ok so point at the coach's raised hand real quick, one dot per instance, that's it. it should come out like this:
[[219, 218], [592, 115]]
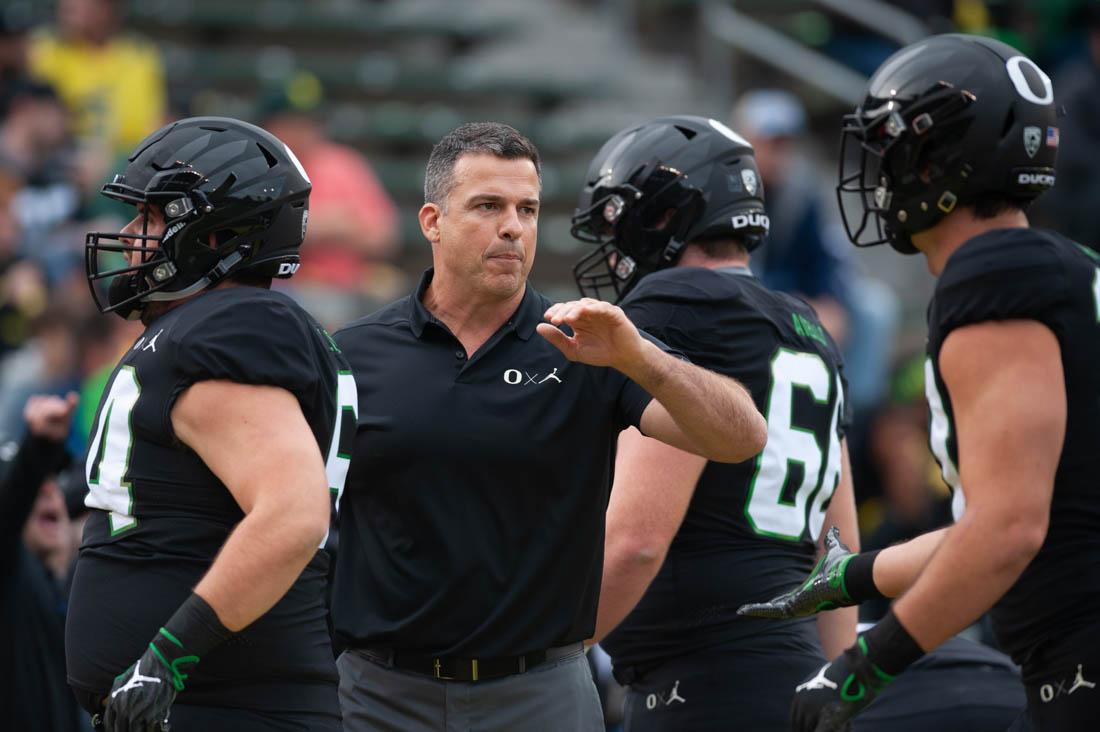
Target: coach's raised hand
[[693, 409], [602, 334]]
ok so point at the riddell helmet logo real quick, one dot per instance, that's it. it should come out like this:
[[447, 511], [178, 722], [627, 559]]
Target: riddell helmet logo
[[172, 231]]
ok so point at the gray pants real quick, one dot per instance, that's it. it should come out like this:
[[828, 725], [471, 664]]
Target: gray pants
[[557, 696]]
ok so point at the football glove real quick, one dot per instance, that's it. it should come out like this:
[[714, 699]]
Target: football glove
[[142, 695], [824, 589], [827, 701]]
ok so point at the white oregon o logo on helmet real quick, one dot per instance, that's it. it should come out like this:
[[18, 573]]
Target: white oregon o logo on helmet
[[1020, 82]]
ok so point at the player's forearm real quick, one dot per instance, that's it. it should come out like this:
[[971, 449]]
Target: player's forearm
[[897, 568], [837, 630], [714, 412], [628, 570], [260, 561], [977, 562]]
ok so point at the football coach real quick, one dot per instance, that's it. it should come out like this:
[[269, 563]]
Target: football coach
[[472, 529]]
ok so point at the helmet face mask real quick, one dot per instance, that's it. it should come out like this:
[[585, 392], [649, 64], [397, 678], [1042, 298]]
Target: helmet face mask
[[653, 188], [233, 197], [946, 121]]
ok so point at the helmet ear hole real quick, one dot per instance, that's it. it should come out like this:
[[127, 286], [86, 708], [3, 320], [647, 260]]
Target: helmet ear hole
[[1010, 120]]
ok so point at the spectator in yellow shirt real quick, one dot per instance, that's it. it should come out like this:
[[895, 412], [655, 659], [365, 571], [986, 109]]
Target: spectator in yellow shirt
[[112, 83]]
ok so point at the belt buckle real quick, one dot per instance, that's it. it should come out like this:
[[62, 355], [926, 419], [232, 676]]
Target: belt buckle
[[437, 665]]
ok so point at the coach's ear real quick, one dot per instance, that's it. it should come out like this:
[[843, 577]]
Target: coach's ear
[[429, 221]]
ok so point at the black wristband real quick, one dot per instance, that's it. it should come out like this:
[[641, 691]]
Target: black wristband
[[195, 626], [889, 646], [859, 580]]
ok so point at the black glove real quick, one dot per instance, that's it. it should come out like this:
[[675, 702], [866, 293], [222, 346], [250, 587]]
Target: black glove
[[142, 696], [824, 589], [827, 701]]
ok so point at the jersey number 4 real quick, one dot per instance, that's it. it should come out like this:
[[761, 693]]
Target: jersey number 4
[[768, 511], [107, 468], [108, 462]]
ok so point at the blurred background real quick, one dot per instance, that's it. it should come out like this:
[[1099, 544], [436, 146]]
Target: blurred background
[[362, 89]]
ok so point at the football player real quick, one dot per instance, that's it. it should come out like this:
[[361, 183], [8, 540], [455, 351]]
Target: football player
[[216, 444], [675, 207], [957, 135]]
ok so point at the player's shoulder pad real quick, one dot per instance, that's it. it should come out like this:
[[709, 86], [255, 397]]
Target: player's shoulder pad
[[248, 335], [677, 283], [804, 320], [1000, 275]]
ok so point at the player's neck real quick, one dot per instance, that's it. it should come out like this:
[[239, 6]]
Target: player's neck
[[694, 256], [940, 242]]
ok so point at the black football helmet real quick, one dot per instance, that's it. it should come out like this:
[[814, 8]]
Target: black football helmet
[[655, 187], [946, 120], [233, 197]]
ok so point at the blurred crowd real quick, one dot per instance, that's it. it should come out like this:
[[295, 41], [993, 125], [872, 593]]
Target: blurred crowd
[[77, 94], [78, 91]]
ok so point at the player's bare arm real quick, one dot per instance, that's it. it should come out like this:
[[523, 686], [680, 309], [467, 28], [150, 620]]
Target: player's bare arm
[[276, 475], [692, 408], [654, 483], [837, 629], [856, 578], [1010, 441], [278, 479]]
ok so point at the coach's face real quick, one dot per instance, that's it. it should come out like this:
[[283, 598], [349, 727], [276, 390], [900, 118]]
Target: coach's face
[[483, 239]]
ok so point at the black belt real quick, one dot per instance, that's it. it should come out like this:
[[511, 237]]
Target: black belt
[[467, 669]]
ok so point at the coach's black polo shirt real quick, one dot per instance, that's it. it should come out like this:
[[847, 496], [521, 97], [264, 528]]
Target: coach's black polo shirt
[[472, 524]]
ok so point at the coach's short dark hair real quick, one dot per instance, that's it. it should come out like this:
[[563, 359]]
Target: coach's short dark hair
[[490, 138]]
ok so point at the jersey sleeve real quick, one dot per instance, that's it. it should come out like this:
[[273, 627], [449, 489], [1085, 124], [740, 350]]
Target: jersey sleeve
[[259, 341], [700, 328], [1004, 275]]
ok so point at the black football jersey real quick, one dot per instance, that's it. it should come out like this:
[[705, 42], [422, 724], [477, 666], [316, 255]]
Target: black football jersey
[[159, 515], [751, 527], [1032, 274], [473, 522]]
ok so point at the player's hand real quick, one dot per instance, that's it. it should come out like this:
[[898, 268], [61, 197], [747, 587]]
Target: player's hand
[[48, 416], [838, 691], [602, 334], [142, 695], [823, 589]]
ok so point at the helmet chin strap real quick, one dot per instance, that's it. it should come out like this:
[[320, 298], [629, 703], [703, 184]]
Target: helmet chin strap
[[123, 289], [672, 251], [216, 275], [901, 242]]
